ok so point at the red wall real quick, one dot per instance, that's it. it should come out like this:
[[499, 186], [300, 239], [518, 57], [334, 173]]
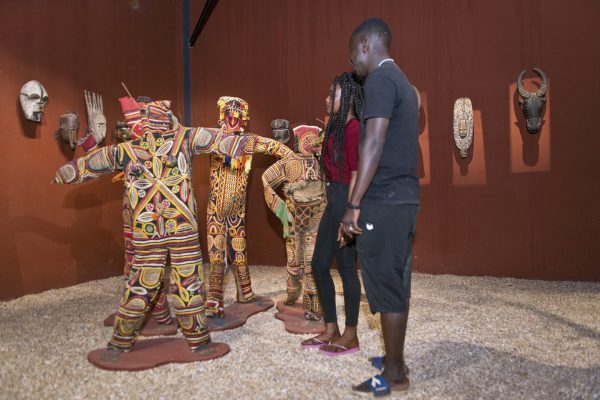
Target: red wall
[[523, 206], [520, 205], [55, 236]]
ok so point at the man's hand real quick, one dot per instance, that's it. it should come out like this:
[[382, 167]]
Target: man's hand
[[349, 227]]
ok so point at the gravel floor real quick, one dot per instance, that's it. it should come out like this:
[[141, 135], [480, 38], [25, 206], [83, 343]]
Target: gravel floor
[[468, 338]]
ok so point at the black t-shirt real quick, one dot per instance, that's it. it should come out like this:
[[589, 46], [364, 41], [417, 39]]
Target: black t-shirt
[[389, 94]]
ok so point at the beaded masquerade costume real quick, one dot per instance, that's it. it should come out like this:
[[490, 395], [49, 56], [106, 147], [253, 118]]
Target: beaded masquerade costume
[[133, 117], [226, 209], [305, 201], [158, 181]]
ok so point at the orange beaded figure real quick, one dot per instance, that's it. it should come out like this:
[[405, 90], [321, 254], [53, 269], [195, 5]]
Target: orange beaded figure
[[226, 209]]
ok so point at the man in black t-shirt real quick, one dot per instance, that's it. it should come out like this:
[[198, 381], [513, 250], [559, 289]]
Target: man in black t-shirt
[[383, 206]]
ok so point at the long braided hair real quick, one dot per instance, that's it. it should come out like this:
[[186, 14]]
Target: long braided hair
[[351, 96]]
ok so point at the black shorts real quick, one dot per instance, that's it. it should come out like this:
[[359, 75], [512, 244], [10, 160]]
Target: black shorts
[[385, 254]]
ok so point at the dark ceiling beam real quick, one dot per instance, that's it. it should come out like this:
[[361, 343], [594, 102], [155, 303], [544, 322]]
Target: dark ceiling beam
[[209, 6]]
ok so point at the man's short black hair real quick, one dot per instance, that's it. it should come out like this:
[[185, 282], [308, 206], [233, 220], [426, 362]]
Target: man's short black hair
[[377, 27]]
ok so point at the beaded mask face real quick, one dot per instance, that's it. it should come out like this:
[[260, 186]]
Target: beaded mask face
[[233, 114], [308, 139], [156, 116]]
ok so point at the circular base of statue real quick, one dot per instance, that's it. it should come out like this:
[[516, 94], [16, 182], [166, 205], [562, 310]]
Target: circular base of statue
[[294, 320], [236, 314], [150, 327], [151, 353]]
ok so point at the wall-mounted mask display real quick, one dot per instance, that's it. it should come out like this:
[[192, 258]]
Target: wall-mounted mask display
[[67, 131], [281, 130], [96, 122], [463, 125], [533, 104], [96, 118], [33, 99]]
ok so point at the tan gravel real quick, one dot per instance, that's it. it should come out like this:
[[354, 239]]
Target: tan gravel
[[468, 338]]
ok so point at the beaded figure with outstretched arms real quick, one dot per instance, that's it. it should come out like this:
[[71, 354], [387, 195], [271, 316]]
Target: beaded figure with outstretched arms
[[226, 209], [158, 180]]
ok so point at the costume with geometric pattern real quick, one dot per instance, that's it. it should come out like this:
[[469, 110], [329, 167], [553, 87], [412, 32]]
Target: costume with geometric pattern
[[226, 209], [158, 181], [135, 122], [305, 201]]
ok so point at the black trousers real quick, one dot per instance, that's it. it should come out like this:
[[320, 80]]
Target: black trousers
[[326, 248]]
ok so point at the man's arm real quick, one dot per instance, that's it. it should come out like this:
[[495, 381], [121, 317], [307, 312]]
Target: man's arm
[[91, 166], [351, 185], [370, 156]]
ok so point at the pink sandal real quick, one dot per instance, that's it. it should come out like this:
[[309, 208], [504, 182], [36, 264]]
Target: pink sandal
[[345, 350], [313, 343]]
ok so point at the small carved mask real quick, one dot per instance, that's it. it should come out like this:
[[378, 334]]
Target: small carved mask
[[533, 103], [33, 100], [281, 130], [96, 118], [308, 139], [69, 125], [463, 125]]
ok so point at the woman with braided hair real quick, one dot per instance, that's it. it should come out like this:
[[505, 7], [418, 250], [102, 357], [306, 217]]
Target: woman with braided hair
[[340, 162]]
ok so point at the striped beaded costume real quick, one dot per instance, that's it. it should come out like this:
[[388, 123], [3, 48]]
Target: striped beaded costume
[[226, 209], [135, 123], [158, 182]]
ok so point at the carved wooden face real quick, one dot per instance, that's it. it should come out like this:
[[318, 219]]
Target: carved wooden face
[[533, 110], [33, 99], [98, 127], [67, 132]]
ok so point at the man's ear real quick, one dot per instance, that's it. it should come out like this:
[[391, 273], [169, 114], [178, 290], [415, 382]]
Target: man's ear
[[364, 44]]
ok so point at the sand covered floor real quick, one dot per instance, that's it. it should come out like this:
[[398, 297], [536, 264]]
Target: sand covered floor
[[468, 338]]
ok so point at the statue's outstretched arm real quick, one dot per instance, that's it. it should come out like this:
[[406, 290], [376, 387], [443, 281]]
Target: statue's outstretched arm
[[271, 147], [215, 141], [91, 166]]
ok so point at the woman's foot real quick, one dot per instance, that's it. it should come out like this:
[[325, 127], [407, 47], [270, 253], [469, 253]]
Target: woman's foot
[[347, 343], [331, 333]]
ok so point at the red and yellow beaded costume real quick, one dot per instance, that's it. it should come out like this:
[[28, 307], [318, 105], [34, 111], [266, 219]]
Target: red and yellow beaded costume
[[305, 201], [226, 209], [158, 181]]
